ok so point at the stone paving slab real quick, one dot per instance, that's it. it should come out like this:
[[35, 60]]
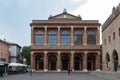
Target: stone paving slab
[[60, 76], [108, 75]]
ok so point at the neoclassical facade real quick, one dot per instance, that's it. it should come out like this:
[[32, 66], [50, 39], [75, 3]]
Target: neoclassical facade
[[65, 41], [111, 41]]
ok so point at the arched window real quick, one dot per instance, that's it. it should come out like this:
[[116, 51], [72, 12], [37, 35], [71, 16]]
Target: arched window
[[91, 37], [65, 38], [78, 38], [52, 38], [39, 38]]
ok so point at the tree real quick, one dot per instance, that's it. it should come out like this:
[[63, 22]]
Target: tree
[[26, 53]]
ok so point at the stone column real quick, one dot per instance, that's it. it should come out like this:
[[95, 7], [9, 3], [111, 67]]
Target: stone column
[[58, 37], [98, 36], [32, 60], [45, 61], [45, 36], [98, 62], [58, 61], [85, 61], [72, 36], [72, 60], [85, 36]]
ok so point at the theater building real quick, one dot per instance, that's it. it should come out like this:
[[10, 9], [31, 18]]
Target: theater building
[[111, 41], [65, 41]]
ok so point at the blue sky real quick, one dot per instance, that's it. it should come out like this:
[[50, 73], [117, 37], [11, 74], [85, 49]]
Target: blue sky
[[16, 15]]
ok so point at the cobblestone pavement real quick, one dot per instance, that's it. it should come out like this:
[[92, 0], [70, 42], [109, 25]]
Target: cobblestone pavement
[[63, 76], [108, 75]]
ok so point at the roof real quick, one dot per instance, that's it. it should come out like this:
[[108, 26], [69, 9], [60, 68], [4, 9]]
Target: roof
[[65, 15], [65, 18], [3, 42], [11, 43], [112, 17]]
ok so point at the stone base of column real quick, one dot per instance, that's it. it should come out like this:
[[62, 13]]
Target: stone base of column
[[73, 70], [85, 70], [33, 70], [98, 70], [58, 70], [45, 70], [58, 43]]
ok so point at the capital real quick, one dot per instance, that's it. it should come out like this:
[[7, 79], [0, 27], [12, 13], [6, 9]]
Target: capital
[[32, 28], [85, 52], [58, 52], [32, 52], [98, 52], [59, 27], [85, 28], [45, 52], [98, 28], [72, 52], [45, 27], [72, 27]]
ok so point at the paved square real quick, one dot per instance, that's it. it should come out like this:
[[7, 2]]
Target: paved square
[[63, 76]]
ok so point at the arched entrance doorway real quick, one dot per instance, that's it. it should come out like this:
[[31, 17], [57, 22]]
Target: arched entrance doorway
[[78, 62], [115, 60], [65, 62], [39, 62], [108, 61], [91, 62], [52, 62]]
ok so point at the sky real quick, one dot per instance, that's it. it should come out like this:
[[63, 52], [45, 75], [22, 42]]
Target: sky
[[16, 15]]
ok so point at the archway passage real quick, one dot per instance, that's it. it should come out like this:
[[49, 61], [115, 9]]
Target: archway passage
[[52, 62], [115, 60], [91, 62], [39, 62], [108, 61], [65, 62], [78, 62]]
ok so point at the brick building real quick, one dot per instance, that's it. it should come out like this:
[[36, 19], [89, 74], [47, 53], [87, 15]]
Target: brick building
[[111, 40], [4, 51], [65, 41], [15, 53]]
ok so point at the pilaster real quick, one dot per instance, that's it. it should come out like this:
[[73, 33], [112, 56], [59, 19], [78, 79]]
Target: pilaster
[[32, 60], [72, 35], [45, 36], [98, 61], [85, 36], [85, 62], [72, 60], [58, 61], [45, 61], [98, 36], [58, 38]]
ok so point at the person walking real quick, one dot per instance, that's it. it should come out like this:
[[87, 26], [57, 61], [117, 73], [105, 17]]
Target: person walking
[[31, 71], [69, 71]]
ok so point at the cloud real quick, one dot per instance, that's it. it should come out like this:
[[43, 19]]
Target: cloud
[[80, 1]]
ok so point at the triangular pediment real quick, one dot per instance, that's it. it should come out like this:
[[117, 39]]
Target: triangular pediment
[[64, 15]]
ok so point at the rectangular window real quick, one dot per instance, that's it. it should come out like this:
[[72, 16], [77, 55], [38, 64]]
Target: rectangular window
[[109, 39], [119, 31], [105, 41], [113, 35]]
